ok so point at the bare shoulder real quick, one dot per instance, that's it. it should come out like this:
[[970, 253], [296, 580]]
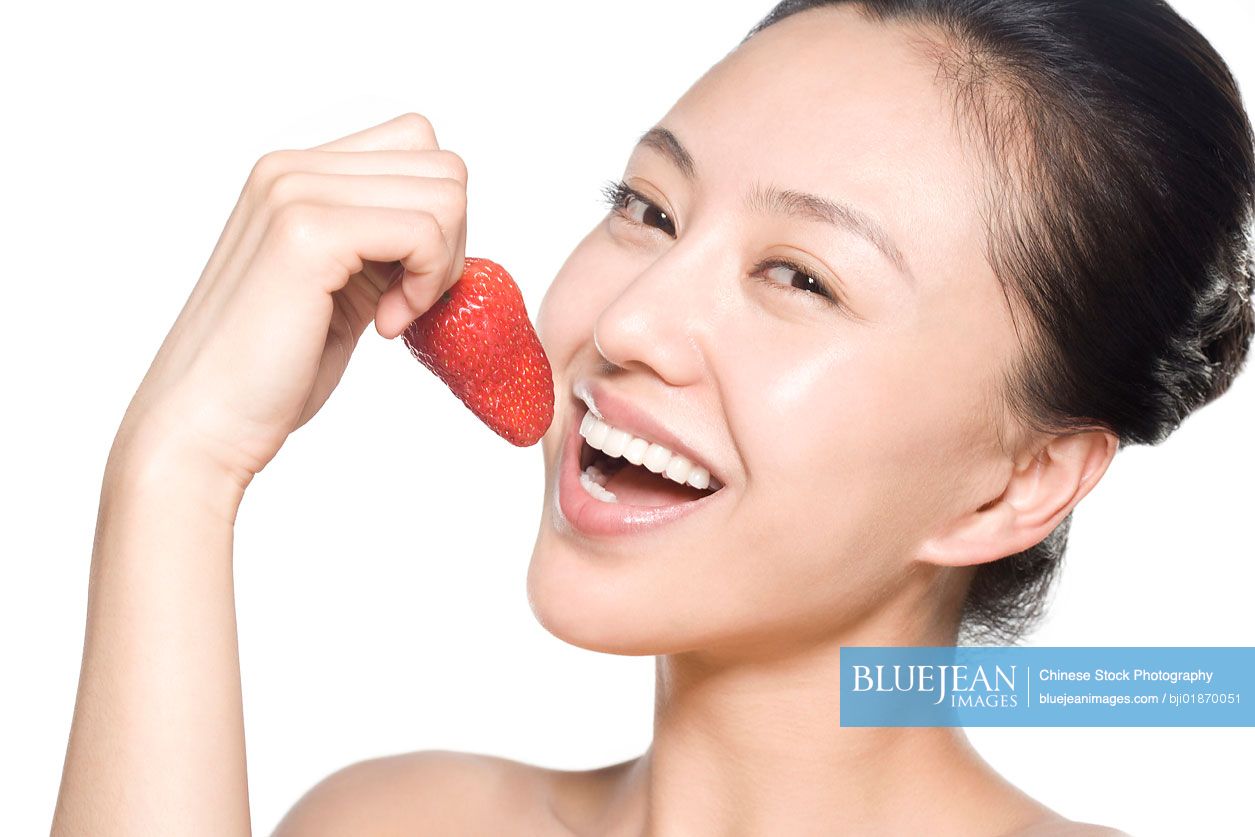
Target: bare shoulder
[[1068, 828], [1089, 829], [426, 792]]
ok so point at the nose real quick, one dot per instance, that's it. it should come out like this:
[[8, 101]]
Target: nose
[[663, 319]]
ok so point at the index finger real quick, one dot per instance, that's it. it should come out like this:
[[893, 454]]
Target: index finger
[[408, 132]]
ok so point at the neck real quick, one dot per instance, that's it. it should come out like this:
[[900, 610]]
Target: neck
[[752, 745]]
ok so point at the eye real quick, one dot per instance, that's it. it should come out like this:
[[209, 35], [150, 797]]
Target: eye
[[786, 275], [636, 208]]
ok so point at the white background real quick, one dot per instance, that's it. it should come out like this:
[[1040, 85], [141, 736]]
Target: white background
[[380, 559]]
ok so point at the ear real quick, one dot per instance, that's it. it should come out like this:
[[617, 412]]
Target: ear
[[1042, 488]]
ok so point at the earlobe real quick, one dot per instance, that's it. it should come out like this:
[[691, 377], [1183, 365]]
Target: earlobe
[[1039, 493]]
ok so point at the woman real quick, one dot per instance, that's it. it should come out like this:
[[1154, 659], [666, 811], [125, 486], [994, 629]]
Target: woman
[[902, 277]]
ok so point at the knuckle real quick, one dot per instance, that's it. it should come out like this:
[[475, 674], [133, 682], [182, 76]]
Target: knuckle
[[419, 127], [267, 168], [427, 228], [296, 221], [453, 163], [459, 201], [453, 197], [283, 188]]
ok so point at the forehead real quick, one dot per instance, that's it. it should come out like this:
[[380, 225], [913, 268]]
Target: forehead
[[847, 108]]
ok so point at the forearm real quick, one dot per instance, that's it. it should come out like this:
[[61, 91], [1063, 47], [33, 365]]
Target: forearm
[[157, 740]]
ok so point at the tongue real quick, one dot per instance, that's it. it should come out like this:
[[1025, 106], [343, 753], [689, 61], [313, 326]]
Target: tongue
[[637, 485]]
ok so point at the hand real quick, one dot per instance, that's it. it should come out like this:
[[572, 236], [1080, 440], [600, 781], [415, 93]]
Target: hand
[[321, 241]]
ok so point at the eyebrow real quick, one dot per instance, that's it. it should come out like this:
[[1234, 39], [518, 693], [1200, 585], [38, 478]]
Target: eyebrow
[[771, 199], [660, 139]]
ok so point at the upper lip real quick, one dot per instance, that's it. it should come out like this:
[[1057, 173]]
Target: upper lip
[[623, 414]]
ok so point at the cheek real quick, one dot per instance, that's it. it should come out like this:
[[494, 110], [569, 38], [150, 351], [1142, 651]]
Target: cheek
[[858, 449], [822, 446]]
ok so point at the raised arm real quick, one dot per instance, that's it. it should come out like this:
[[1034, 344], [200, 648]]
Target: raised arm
[[321, 241]]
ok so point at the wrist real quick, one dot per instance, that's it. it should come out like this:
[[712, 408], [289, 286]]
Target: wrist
[[159, 463]]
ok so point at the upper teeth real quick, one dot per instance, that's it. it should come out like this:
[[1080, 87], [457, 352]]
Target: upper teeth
[[612, 441]]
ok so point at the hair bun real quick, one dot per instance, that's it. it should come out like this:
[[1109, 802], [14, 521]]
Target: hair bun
[[1226, 314]]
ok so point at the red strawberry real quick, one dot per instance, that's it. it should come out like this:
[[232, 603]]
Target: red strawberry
[[477, 338]]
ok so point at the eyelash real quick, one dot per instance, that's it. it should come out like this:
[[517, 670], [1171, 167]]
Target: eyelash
[[617, 194]]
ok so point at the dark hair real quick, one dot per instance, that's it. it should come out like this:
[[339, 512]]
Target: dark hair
[[1118, 208]]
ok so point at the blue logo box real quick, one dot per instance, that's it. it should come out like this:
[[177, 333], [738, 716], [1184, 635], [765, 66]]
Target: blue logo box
[[991, 686]]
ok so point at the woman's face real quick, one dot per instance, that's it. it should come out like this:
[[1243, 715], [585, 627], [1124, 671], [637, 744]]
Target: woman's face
[[845, 432]]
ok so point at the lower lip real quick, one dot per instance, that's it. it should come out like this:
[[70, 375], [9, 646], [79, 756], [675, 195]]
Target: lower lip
[[591, 516]]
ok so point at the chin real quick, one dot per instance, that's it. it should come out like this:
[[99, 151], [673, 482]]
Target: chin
[[597, 603], [590, 609]]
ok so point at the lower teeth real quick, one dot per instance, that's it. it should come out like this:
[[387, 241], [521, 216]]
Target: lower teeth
[[590, 478]]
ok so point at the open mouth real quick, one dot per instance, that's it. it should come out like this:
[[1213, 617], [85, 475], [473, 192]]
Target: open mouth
[[615, 479]]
